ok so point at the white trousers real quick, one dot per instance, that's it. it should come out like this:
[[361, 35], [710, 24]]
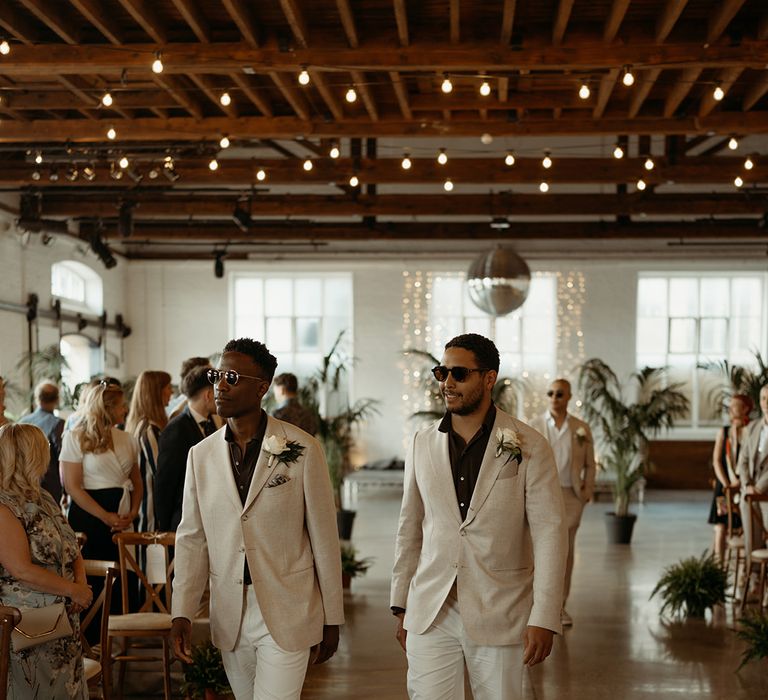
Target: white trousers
[[574, 507], [257, 668], [436, 663]]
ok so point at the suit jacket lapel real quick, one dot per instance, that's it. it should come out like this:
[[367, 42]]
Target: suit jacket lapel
[[262, 471], [441, 465], [489, 471]]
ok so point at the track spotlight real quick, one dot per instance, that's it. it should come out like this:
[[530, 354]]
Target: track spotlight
[[72, 174], [125, 219], [103, 251], [53, 176], [242, 218], [114, 172], [89, 172], [218, 266], [169, 170], [135, 175]]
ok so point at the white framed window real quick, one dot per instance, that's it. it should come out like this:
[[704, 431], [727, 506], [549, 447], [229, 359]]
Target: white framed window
[[525, 338], [298, 317], [77, 286], [685, 320]]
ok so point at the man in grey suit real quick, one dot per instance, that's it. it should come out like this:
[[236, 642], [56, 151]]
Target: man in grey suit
[[753, 471], [481, 542]]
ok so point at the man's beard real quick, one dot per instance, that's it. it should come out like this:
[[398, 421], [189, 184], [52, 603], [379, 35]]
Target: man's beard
[[470, 404]]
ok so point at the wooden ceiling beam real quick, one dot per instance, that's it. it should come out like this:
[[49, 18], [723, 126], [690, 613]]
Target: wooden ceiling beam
[[193, 16], [97, 15], [696, 141], [241, 14], [147, 18], [524, 100], [705, 204], [294, 98], [507, 21], [179, 93], [755, 93], [721, 18], [318, 80], [18, 25], [718, 147], [180, 128], [348, 22], [213, 93], [607, 84], [225, 58], [361, 83], [615, 18], [295, 19], [252, 93], [63, 100], [680, 89], [56, 19], [668, 18], [562, 16], [401, 19], [725, 79], [454, 11], [642, 89], [401, 93]]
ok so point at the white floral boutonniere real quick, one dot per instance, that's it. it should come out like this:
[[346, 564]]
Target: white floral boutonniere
[[581, 435], [508, 442], [281, 450]]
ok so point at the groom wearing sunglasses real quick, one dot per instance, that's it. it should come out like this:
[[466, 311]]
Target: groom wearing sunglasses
[[481, 542], [259, 523]]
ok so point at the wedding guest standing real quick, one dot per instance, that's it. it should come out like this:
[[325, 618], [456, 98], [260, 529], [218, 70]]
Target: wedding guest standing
[[40, 565], [481, 543], [289, 408], [753, 472], [146, 420]]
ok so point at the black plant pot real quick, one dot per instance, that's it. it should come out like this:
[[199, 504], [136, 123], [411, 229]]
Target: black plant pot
[[344, 520], [619, 527]]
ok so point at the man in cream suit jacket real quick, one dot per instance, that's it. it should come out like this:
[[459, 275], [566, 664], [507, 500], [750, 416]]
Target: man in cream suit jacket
[[259, 523], [753, 471], [571, 441], [481, 542]]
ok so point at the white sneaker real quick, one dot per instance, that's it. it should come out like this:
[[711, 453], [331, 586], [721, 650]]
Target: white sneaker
[[565, 619]]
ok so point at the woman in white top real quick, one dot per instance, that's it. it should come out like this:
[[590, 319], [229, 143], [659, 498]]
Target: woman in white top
[[146, 419], [101, 472]]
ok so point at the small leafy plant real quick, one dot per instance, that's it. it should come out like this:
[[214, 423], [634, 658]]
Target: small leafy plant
[[754, 631], [351, 565], [691, 586], [206, 672]]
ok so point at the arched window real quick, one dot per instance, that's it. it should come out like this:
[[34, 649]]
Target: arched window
[[77, 286]]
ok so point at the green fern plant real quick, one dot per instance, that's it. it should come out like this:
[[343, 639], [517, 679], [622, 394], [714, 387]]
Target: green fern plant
[[736, 379], [753, 630], [206, 672], [692, 586], [350, 564]]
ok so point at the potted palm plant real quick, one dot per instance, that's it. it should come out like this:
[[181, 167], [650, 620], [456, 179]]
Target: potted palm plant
[[624, 428], [351, 565]]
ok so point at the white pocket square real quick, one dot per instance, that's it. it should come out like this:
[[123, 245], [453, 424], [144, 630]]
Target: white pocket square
[[278, 480]]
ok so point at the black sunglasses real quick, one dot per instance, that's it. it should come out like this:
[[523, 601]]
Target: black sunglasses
[[230, 376], [460, 374], [556, 394]]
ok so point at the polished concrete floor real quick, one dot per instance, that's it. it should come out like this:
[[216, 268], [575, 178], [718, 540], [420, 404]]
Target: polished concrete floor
[[618, 648]]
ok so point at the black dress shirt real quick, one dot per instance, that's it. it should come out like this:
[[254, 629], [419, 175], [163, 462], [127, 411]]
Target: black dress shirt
[[244, 465], [466, 458]]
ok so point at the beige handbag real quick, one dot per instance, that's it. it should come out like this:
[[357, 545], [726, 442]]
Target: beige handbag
[[40, 625]]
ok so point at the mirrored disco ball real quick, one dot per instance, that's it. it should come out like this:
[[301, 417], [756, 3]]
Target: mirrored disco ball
[[498, 281]]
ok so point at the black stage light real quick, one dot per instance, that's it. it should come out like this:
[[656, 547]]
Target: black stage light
[[103, 251], [125, 219], [242, 218], [218, 266]]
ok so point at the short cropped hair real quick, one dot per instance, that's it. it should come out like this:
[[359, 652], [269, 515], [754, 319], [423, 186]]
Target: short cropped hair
[[194, 381], [46, 392], [288, 381], [190, 363], [484, 350], [257, 352]]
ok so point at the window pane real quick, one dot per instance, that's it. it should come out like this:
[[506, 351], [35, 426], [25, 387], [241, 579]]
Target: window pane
[[683, 296], [714, 296], [713, 336], [681, 372], [746, 297], [508, 333], [745, 334], [537, 337], [305, 364], [338, 296], [651, 297], [333, 326], [279, 297], [249, 327], [682, 335], [541, 297], [279, 335], [307, 334], [446, 296], [249, 296], [309, 297], [709, 409], [478, 325], [652, 335]]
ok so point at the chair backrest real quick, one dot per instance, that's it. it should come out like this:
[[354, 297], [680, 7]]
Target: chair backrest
[[132, 548], [109, 570], [731, 508], [8, 618], [760, 528]]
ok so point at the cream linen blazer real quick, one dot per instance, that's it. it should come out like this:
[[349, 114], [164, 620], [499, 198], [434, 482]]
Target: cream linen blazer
[[750, 472], [508, 556], [582, 455], [287, 532]]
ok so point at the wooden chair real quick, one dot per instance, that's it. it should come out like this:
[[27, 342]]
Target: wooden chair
[[756, 559], [734, 537], [9, 617], [98, 614], [153, 619]]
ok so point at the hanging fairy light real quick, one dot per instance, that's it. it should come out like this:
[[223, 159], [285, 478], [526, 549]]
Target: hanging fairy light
[[106, 99], [584, 91], [447, 85], [628, 78], [718, 93], [448, 185], [649, 164], [485, 88], [5, 47], [546, 162], [733, 143], [304, 77], [157, 64], [224, 141], [543, 187], [308, 164], [124, 162], [618, 152], [748, 164], [640, 184], [38, 157], [509, 159], [261, 175], [351, 95], [111, 133], [354, 181], [406, 163], [335, 152], [442, 157], [225, 99], [213, 164], [738, 181]]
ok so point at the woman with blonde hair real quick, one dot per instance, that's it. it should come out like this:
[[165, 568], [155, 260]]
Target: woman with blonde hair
[[101, 472], [146, 419], [40, 565]]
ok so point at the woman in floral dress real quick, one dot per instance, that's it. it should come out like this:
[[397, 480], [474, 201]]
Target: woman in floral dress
[[40, 564]]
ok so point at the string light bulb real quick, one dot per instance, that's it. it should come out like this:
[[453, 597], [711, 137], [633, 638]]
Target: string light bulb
[[509, 159], [123, 163], [640, 184], [351, 95], [718, 93], [738, 181], [225, 99], [354, 181], [546, 162], [618, 152], [733, 143], [213, 164], [447, 85], [106, 99], [5, 47], [748, 164], [584, 91], [224, 141], [38, 157], [406, 163], [304, 77], [442, 157], [649, 164], [111, 133], [485, 88], [544, 187], [308, 164], [628, 78], [335, 152], [261, 175], [157, 64], [448, 185]]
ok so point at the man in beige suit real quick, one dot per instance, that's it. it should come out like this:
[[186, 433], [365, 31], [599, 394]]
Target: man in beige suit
[[571, 441], [258, 522], [753, 471], [481, 542]]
